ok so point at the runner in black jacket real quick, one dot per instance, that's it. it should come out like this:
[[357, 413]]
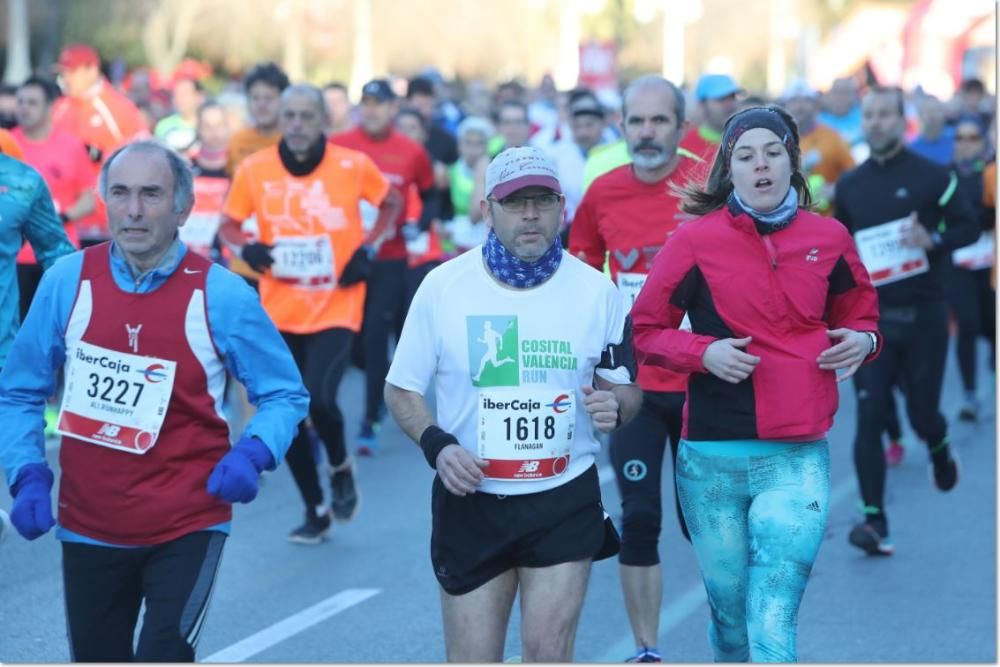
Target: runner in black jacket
[[896, 183]]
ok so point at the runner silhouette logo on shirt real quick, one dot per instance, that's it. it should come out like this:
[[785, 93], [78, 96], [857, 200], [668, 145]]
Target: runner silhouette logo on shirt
[[493, 349]]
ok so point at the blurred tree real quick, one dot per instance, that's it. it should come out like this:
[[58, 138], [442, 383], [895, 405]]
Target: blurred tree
[[18, 39], [166, 35]]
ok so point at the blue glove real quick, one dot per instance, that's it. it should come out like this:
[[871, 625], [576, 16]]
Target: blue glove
[[234, 478], [32, 511]]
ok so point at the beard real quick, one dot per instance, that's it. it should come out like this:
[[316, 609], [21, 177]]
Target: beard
[[647, 161]]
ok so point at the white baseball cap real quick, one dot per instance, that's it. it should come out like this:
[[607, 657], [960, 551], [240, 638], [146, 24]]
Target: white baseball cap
[[517, 168]]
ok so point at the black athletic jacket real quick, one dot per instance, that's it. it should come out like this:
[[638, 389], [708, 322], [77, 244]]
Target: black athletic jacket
[[874, 193]]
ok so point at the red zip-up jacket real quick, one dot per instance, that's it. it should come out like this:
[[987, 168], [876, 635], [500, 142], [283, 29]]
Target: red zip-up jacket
[[786, 290]]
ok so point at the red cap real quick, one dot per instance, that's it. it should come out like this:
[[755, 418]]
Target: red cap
[[78, 55]]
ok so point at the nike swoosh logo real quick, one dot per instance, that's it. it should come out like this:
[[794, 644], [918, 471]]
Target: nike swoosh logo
[[189, 271]]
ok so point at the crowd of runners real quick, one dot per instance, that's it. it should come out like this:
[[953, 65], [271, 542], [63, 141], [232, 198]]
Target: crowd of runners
[[187, 275]]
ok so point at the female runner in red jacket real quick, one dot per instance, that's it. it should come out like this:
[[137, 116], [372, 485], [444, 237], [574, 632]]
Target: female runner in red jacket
[[779, 302]]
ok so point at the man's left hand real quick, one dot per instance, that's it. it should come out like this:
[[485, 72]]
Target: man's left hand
[[916, 235], [602, 406], [234, 478], [853, 348]]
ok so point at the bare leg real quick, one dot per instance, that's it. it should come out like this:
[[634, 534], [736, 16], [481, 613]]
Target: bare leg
[[475, 624], [643, 590], [551, 600]]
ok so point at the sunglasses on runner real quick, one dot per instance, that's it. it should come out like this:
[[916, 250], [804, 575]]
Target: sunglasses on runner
[[545, 202]]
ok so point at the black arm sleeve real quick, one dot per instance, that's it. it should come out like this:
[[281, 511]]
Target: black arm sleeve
[[621, 354], [431, 198]]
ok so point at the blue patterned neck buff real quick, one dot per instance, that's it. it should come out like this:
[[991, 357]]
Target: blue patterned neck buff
[[510, 270], [771, 221]]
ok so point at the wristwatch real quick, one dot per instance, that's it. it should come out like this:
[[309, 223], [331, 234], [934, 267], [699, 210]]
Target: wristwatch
[[874, 340]]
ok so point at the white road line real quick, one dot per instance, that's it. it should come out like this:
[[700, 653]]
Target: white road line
[[293, 625], [694, 597]]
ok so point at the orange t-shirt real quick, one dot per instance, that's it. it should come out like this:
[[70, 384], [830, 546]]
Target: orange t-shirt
[[242, 145], [824, 157], [314, 222], [832, 156], [245, 143], [990, 185], [9, 145]]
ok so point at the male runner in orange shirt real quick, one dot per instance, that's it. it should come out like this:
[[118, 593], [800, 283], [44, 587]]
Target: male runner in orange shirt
[[313, 255]]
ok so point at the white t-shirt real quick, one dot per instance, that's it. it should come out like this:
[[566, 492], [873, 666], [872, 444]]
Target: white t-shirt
[[510, 365]]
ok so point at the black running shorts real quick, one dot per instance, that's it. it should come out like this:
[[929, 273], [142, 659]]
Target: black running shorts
[[481, 535]]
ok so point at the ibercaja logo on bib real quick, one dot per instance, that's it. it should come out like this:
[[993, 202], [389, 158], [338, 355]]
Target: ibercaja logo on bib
[[493, 350]]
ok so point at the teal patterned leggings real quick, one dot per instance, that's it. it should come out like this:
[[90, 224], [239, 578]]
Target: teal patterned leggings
[[756, 511]]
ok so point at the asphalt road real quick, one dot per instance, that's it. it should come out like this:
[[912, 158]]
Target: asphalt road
[[368, 594]]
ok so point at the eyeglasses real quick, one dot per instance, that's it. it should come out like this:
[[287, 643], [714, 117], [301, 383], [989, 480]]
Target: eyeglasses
[[968, 137], [545, 202]]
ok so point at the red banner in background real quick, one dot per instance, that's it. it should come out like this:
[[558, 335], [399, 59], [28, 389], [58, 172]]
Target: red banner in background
[[599, 66]]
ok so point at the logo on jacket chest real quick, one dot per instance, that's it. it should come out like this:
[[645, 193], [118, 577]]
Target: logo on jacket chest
[[133, 336]]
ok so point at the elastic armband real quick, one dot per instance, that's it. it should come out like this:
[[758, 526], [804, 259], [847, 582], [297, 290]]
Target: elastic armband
[[617, 355], [433, 440]]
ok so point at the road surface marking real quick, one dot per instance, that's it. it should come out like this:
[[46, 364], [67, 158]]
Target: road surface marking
[[694, 597], [293, 625]]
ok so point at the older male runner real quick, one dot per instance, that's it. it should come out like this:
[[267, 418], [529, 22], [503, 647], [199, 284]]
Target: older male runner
[[145, 333], [516, 500]]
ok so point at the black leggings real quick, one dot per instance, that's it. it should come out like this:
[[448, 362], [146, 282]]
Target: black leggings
[[973, 302], [105, 586], [915, 344], [637, 454], [390, 289], [322, 359]]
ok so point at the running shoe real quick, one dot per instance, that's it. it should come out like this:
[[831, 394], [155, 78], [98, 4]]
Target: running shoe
[[646, 654], [944, 470], [969, 412], [870, 539], [894, 453], [314, 530], [345, 492], [368, 438]]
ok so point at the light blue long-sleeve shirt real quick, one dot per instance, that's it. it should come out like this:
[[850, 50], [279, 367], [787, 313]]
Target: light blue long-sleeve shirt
[[26, 212], [250, 345]]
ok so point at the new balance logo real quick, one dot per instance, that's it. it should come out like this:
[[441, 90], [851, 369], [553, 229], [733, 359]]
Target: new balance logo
[[814, 506], [110, 430], [529, 467]]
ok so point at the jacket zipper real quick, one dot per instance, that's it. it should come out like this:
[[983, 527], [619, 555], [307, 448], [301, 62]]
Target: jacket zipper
[[772, 251]]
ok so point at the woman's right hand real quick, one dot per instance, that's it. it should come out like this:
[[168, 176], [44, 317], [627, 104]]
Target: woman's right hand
[[726, 361]]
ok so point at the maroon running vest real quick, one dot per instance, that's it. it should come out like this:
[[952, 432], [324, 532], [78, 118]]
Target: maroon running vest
[[131, 499]]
